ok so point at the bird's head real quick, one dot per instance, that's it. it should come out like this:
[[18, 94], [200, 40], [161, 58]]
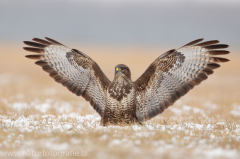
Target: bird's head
[[123, 69]]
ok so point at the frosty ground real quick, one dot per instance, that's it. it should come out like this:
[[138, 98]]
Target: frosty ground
[[169, 136]]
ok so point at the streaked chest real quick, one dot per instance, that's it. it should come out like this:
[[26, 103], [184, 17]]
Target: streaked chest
[[120, 88]]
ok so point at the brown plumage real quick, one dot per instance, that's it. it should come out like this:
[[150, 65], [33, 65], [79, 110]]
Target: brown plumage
[[167, 79]]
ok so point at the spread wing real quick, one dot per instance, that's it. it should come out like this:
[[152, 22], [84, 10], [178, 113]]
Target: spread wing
[[72, 68], [173, 74]]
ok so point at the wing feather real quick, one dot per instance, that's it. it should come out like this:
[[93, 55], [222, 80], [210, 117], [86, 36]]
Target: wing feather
[[42, 41], [193, 42], [173, 74], [72, 68]]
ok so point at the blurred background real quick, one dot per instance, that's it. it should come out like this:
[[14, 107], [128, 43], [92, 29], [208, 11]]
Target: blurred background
[[154, 23]]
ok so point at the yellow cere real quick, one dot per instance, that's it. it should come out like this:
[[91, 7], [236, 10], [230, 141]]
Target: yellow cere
[[117, 69]]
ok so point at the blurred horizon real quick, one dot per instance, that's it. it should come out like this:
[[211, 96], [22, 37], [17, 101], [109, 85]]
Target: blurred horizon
[[121, 23]]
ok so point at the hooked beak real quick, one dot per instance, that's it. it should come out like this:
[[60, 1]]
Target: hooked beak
[[117, 70]]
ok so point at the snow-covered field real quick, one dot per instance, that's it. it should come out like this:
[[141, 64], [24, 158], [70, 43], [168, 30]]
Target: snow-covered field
[[168, 136], [41, 119]]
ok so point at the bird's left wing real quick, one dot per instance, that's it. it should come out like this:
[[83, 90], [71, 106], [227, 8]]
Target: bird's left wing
[[173, 74], [72, 68]]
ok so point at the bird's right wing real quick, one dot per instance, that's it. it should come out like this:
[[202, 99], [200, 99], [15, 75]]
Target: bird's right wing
[[173, 74], [73, 69]]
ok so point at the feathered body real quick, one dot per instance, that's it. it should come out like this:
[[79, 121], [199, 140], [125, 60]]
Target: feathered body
[[167, 79], [120, 101]]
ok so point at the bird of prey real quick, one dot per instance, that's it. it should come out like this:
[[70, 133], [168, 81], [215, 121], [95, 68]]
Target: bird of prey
[[122, 100]]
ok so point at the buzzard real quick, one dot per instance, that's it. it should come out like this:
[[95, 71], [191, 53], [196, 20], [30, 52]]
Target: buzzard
[[122, 100]]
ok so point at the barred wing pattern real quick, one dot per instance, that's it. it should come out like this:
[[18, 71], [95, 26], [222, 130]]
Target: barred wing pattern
[[173, 74], [73, 69]]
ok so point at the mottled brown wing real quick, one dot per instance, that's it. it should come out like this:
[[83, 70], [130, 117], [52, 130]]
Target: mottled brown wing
[[73, 69], [173, 74]]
